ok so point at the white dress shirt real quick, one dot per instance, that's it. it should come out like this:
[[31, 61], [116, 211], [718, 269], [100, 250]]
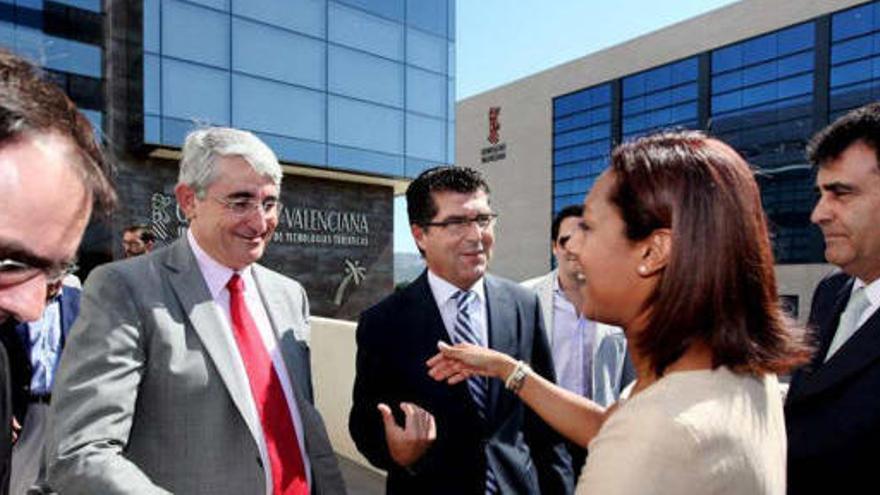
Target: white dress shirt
[[443, 292], [872, 290], [216, 277], [572, 345]]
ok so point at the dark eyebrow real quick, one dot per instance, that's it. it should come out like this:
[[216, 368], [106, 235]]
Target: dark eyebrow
[[16, 251], [838, 187]]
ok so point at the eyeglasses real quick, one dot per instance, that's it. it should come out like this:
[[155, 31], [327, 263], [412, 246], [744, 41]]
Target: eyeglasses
[[243, 206], [13, 272], [460, 225]]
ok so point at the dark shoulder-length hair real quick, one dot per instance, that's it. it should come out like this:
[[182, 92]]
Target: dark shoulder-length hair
[[718, 286]]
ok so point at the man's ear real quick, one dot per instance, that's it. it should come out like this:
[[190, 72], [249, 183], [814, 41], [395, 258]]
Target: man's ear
[[418, 233], [656, 251], [186, 198]]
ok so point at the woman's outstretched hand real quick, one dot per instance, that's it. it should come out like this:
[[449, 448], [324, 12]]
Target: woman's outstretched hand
[[457, 363]]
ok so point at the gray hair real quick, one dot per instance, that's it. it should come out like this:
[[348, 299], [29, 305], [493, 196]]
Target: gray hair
[[198, 166]]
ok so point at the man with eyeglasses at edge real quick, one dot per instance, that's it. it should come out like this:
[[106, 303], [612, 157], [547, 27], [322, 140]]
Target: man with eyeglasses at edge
[[188, 369], [52, 176], [590, 357], [476, 437]]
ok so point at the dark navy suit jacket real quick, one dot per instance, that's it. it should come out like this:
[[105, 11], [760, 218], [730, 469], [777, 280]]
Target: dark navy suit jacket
[[832, 411], [396, 337], [18, 346]]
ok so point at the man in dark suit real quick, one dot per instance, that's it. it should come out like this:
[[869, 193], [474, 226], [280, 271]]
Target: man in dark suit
[[52, 176], [833, 405], [188, 368], [475, 437], [34, 351]]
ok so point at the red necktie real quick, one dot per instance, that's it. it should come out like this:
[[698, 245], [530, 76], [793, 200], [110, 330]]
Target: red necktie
[[288, 471]]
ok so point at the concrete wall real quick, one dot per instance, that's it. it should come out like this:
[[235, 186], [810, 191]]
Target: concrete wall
[[521, 182], [333, 351]]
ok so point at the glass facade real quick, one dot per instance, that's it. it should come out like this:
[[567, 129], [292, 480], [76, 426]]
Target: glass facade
[[660, 98], [855, 58], [65, 38], [762, 104], [581, 142], [766, 96], [360, 85]]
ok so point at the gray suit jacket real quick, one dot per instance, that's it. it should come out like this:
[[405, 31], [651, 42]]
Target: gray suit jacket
[[147, 399], [612, 370]]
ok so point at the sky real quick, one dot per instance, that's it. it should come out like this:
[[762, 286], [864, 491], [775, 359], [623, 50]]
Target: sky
[[500, 41]]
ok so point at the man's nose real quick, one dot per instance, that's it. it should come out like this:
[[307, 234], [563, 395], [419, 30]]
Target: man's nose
[[821, 212], [25, 301]]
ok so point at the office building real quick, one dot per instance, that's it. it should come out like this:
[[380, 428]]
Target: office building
[[762, 75]]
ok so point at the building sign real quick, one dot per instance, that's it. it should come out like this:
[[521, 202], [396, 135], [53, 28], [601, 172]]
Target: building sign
[[498, 150], [335, 238]]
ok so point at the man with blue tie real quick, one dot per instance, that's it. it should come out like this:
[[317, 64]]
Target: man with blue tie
[[832, 411], [34, 351], [475, 437]]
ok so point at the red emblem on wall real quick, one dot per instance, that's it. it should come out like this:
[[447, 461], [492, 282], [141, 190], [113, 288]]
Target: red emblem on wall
[[494, 125]]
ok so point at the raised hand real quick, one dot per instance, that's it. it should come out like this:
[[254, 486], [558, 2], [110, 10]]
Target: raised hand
[[409, 443], [456, 363]]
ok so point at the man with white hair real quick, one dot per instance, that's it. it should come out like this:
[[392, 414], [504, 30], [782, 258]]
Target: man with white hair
[[188, 368]]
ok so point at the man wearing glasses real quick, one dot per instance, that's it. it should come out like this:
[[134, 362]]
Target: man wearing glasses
[[188, 369], [475, 437], [137, 239], [52, 176], [589, 357]]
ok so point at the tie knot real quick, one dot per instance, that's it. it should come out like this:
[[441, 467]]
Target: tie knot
[[235, 284]]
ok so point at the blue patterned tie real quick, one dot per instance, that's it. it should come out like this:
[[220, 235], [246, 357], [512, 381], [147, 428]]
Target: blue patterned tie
[[466, 331]]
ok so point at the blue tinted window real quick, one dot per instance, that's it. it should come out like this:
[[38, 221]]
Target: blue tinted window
[[151, 26], [426, 51], [152, 130], [277, 108], [450, 59], [366, 161], [426, 92], [450, 99], [303, 16], [392, 9], [425, 137], [152, 90], [726, 58], [852, 22], [450, 142], [429, 15], [195, 33], [365, 76], [852, 49], [71, 56], [851, 72], [214, 4], [358, 29], [296, 150], [347, 120], [797, 38], [194, 92], [277, 54]]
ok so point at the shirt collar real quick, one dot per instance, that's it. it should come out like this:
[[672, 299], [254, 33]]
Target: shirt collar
[[443, 290], [216, 274], [872, 290]]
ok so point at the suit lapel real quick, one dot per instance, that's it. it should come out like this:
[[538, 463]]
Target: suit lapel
[[189, 286], [862, 348], [278, 303], [502, 318]]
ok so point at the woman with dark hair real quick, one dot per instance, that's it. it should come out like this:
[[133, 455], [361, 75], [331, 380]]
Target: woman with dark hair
[[673, 247]]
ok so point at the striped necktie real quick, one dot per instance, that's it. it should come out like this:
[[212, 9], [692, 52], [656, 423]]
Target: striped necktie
[[466, 330]]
